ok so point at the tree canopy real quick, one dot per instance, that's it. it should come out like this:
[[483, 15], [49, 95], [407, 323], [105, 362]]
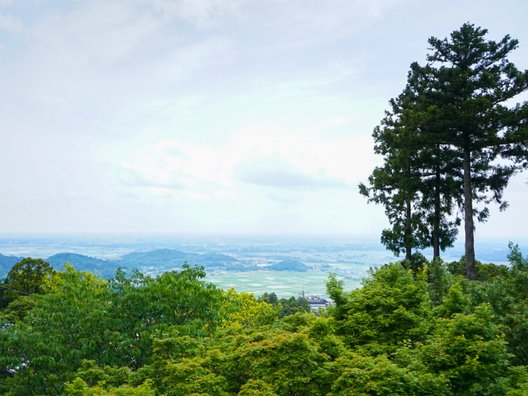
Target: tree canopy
[[420, 330]]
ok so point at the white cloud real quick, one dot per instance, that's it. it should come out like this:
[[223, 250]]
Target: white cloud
[[203, 13], [9, 23], [191, 61], [201, 173], [271, 157], [277, 172]]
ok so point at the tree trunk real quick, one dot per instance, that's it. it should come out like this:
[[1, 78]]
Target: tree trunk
[[468, 217], [408, 252], [436, 225], [408, 231]]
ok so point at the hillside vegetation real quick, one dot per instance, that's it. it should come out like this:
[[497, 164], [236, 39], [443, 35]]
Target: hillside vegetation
[[415, 327]]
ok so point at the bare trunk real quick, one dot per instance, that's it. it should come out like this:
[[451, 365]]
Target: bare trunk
[[408, 253], [436, 225], [408, 232], [468, 217]]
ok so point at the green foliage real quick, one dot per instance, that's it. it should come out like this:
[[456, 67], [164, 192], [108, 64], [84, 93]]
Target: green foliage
[[413, 328], [438, 280], [67, 324], [270, 298], [395, 186], [244, 310], [469, 350], [515, 306], [293, 305], [17, 309], [334, 288], [78, 387], [391, 307], [366, 375], [26, 277], [483, 272], [416, 263], [287, 359], [286, 306], [516, 259], [468, 344], [83, 317], [256, 388], [456, 300], [191, 376], [416, 184], [292, 360]]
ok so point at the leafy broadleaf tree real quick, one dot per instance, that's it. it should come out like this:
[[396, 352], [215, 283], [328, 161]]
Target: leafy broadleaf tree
[[392, 299], [25, 278]]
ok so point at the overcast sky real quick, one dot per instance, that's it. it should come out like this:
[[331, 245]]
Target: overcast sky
[[213, 116]]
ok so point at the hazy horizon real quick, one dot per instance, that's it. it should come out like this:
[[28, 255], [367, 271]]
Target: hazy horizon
[[205, 235]]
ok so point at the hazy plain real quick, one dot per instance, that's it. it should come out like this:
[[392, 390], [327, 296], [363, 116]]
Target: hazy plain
[[346, 256]]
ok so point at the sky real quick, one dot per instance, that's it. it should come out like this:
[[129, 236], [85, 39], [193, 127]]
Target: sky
[[214, 116]]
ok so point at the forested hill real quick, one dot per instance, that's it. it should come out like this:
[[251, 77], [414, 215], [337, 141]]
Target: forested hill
[[82, 263], [158, 260], [414, 328], [6, 262]]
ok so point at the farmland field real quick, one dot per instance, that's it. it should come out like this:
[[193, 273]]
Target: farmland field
[[282, 283]]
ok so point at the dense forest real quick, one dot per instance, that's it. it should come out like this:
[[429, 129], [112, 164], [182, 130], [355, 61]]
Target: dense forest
[[415, 327]]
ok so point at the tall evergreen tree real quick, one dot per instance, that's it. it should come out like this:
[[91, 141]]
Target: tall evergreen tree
[[465, 88], [416, 183], [440, 168], [395, 185], [452, 138]]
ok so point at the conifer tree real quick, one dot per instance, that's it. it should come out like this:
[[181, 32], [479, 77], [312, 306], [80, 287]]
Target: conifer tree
[[452, 139], [465, 91], [395, 185], [440, 168], [414, 184]]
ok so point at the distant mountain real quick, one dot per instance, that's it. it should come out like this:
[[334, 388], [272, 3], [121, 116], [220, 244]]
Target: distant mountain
[[167, 259], [104, 268], [289, 265], [154, 261], [6, 263], [157, 258]]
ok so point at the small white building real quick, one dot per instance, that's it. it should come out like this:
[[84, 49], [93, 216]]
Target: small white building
[[317, 303]]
